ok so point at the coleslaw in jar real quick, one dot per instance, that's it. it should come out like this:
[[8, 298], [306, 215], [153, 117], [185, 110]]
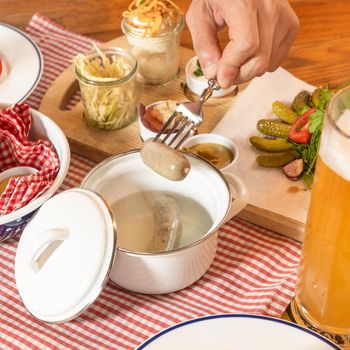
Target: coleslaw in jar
[[107, 80], [152, 28]]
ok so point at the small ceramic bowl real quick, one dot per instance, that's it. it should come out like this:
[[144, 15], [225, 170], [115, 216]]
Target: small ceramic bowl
[[216, 139], [11, 172], [16, 171], [148, 131], [198, 84]]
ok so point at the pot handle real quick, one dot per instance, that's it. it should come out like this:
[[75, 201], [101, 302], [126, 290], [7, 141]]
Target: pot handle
[[45, 245], [241, 200]]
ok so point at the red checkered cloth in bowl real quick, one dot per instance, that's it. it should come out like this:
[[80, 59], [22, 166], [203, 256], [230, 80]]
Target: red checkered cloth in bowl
[[17, 150]]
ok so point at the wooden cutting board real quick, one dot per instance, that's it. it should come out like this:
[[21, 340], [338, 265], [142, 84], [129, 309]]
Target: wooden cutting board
[[98, 144]]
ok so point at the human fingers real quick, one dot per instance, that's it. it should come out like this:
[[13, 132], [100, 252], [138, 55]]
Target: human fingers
[[244, 41], [283, 44], [247, 70], [278, 26], [201, 23], [257, 65]]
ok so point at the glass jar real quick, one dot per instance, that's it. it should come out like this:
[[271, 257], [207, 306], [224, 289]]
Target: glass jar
[[158, 56], [322, 296], [110, 103]]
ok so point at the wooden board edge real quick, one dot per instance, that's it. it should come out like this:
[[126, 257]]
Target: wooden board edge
[[275, 222], [94, 154]]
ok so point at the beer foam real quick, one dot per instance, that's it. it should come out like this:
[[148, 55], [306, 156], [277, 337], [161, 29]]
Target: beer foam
[[343, 122], [335, 147]]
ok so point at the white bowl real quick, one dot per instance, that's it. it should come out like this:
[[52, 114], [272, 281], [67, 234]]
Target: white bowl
[[198, 84], [218, 139], [42, 127], [145, 131]]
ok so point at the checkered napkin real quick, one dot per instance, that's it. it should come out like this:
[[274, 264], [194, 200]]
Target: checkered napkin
[[17, 150]]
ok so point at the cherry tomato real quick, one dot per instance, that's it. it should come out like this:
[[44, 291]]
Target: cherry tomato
[[299, 130]]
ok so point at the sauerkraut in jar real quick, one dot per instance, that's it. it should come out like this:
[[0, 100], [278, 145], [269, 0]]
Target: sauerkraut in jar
[[152, 28], [107, 80]]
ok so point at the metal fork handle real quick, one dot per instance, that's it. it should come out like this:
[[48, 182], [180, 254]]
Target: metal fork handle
[[212, 86]]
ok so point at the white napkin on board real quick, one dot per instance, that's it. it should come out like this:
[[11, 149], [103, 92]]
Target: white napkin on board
[[268, 187]]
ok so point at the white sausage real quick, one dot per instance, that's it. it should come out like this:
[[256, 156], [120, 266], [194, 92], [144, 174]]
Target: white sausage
[[168, 225], [165, 160]]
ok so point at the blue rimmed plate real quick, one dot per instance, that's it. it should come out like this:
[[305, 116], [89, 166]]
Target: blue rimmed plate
[[237, 331], [22, 64]]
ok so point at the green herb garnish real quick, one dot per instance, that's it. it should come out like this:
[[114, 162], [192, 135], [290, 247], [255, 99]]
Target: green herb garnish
[[309, 152], [324, 96], [198, 72], [316, 120]]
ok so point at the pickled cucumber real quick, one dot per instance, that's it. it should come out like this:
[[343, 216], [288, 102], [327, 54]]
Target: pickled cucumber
[[270, 145], [273, 128], [320, 98], [283, 112], [301, 101], [315, 97], [276, 160]]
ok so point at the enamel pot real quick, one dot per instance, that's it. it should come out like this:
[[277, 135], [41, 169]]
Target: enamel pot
[[69, 249]]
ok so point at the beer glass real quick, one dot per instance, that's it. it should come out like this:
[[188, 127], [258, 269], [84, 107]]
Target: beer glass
[[322, 300]]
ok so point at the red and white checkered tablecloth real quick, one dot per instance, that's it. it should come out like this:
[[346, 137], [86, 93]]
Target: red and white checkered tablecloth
[[254, 270]]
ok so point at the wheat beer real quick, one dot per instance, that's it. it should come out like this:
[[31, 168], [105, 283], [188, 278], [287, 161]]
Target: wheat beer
[[322, 298]]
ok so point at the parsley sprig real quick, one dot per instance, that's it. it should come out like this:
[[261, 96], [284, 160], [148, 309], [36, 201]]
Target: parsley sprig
[[198, 72]]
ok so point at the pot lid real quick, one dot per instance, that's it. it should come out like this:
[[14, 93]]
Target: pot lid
[[65, 255]]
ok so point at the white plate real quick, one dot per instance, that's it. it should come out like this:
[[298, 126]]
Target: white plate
[[22, 64], [237, 331]]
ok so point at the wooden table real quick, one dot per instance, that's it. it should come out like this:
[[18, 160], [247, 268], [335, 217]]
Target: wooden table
[[318, 56]]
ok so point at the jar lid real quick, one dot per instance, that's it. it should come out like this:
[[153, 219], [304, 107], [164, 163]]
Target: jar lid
[[65, 255]]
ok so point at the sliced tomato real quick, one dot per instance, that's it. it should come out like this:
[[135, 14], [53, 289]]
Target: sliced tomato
[[0, 66], [299, 130]]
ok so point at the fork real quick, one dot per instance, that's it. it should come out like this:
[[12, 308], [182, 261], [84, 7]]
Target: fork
[[187, 117]]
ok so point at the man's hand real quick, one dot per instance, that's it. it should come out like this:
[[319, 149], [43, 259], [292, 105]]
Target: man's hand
[[261, 33]]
